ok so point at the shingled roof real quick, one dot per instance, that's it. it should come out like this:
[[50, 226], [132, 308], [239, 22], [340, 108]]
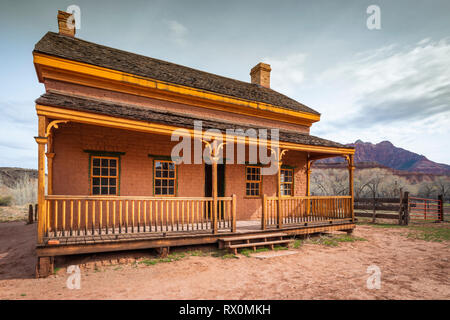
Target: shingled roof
[[134, 112], [91, 53]]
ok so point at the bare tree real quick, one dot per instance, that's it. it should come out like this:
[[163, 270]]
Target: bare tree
[[442, 185]]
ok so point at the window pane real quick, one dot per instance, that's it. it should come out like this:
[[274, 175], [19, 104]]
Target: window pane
[[164, 178], [101, 170]]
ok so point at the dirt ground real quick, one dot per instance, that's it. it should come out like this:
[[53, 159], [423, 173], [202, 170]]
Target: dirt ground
[[410, 269]]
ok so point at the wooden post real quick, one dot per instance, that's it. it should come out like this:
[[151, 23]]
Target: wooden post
[[30, 214], [279, 217], [214, 186], [374, 209], [308, 178], [233, 213], [406, 208], [41, 141], [263, 212], [400, 210], [308, 186], [351, 169], [441, 207], [50, 157]]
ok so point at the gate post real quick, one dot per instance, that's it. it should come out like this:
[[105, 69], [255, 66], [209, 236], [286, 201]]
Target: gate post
[[400, 210], [406, 208], [441, 207], [30, 214]]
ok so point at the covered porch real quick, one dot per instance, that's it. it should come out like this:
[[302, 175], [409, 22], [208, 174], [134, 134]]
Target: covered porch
[[73, 219]]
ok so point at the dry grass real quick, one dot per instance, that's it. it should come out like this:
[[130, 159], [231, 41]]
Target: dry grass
[[14, 213]]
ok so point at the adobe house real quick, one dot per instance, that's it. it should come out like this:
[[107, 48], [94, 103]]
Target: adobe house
[[106, 121]]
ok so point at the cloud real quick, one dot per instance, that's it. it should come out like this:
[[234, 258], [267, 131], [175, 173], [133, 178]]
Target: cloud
[[287, 73], [394, 84], [18, 126], [177, 32], [401, 94], [398, 92]]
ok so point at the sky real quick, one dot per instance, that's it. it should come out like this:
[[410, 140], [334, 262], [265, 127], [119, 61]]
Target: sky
[[391, 83]]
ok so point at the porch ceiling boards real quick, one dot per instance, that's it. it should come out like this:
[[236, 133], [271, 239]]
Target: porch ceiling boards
[[134, 112]]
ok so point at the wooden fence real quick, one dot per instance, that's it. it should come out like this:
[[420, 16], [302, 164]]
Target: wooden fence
[[403, 209], [294, 210], [94, 215]]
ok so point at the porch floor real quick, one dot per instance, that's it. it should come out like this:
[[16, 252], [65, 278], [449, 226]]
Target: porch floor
[[184, 237]]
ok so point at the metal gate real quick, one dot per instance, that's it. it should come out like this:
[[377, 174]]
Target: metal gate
[[425, 210]]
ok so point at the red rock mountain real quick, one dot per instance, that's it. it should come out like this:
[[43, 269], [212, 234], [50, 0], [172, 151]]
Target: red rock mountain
[[386, 154]]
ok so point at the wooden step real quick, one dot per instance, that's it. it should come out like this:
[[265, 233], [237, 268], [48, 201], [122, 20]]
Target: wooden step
[[257, 244], [256, 236], [233, 247]]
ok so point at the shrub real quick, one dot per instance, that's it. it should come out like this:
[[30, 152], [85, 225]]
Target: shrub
[[5, 201]]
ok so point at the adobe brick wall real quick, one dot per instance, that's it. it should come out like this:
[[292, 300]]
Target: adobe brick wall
[[71, 166]]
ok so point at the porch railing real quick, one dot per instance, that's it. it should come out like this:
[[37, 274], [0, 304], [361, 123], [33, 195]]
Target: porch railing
[[96, 215], [298, 210]]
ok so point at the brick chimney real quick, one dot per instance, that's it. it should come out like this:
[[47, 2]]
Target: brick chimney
[[66, 23], [260, 74]]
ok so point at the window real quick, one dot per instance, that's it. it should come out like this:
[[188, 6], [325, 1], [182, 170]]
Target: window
[[252, 181], [165, 178], [104, 175], [286, 182]]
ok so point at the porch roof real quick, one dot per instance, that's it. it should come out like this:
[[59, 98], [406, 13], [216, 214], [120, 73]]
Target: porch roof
[[78, 50], [135, 112]]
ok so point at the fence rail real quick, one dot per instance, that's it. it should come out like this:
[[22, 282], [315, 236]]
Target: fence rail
[[295, 210], [404, 209], [421, 209], [96, 215]]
